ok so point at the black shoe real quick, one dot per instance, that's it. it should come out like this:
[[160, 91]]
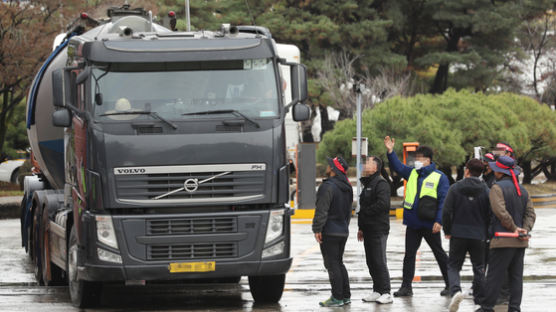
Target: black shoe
[[445, 292], [404, 292]]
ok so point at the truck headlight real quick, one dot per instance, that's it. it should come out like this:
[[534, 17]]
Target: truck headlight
[[105, 231], [108, 256], [274, 250], [275, 225]]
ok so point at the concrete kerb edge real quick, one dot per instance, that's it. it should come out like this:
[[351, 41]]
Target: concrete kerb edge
[[9, 208]]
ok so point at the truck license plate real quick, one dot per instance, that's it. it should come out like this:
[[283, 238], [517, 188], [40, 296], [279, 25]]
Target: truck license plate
[[180, 267]]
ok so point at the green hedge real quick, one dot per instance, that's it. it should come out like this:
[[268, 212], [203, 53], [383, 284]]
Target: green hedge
[[451, 124]]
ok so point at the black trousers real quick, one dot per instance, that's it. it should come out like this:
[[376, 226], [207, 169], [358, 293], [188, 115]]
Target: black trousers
[[413, 240], [505, 290], [375, 254], [459, 247], [502, 262], [332, 249]]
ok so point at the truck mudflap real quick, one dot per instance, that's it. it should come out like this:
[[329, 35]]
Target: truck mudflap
[[98, 272]]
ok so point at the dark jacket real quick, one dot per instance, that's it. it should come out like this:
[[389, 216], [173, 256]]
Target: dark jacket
[[489, 179], [510, 211], [333, 208], [374, 201], [466, 209], [410, 215]]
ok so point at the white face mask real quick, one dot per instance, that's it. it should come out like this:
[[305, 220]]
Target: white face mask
[[418, 164]]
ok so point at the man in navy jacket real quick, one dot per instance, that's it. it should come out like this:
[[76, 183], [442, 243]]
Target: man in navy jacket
[[420, 224], [331, 228]]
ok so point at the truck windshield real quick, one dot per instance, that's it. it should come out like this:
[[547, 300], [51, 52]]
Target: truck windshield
[[179, 91]]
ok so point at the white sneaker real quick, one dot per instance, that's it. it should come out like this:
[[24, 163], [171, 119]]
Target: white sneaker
[[372, 297], [385, 298], [456, 300], [476, 307]]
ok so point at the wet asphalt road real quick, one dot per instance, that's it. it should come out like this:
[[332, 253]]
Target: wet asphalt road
[[306, 283]]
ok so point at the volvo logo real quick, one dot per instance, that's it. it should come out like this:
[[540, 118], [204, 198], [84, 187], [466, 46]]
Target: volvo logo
[[191, 185], [131, 171]]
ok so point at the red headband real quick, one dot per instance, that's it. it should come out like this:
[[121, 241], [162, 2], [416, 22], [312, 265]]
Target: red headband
[[505, 147], [338, 165], [489, 156], [514, 178]]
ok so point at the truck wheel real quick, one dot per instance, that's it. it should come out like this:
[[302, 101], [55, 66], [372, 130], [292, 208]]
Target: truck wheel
[[82, 293], [15, 176], [267, 289]]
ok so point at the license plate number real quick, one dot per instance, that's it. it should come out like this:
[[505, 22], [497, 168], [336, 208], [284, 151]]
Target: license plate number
[[181, 267]]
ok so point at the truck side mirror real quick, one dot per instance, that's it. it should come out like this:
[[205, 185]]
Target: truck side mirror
[[299, 83], [61, 118], [301, 112], [60, 87]]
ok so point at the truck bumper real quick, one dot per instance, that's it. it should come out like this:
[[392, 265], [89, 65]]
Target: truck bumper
[[152, 272]]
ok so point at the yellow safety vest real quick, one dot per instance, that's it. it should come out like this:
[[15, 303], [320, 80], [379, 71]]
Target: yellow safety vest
[[428, 188]]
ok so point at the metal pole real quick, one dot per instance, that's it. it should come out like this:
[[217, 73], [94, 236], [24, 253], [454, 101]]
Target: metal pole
[[187, 17], [358, 155]]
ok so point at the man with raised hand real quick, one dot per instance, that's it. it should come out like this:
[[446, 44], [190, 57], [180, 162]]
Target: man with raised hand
[[425, 192]]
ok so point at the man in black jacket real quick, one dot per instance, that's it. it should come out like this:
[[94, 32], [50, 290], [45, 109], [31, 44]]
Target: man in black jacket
[[488, 174], [374, 226], [331, 228], [465, 218]]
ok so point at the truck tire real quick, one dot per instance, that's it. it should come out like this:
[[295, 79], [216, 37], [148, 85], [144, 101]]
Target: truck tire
[[267, 289], [83, 294], [15, 176]]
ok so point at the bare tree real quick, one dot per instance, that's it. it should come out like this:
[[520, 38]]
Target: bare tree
[[27, 30], [338, 75], [537, 40]]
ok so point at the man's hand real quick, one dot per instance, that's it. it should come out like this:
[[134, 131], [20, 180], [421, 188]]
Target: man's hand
[[448, 236], [360, 235], [389, 143], [318, 237], [436, 228], [523, 232]]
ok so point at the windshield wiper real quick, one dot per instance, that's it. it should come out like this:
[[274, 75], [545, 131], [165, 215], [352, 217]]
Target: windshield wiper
[[225, 111], [154, 114]]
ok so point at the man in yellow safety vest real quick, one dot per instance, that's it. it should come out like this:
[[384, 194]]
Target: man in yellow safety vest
[[425, 192]]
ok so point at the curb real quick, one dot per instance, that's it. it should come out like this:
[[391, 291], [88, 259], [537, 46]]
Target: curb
[[544, 200], [396, 209], [9, 207]]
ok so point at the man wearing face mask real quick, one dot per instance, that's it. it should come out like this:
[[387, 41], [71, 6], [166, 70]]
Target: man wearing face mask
[[374, 225], [425, 192], [488, 175]]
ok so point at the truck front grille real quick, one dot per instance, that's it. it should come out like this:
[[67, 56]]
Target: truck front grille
[[191, 237], [153, 186], [192, 226], [192, 251]]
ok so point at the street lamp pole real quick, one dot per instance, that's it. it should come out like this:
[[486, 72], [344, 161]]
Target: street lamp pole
[[358, 87], [187, 17]]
